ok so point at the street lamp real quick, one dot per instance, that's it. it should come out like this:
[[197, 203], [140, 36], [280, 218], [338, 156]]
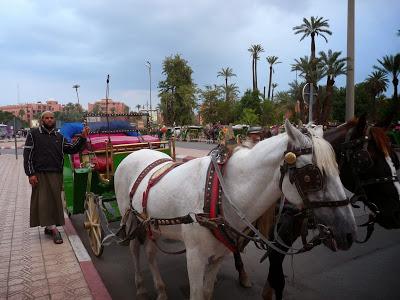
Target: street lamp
[[76, 87], [148, 64]]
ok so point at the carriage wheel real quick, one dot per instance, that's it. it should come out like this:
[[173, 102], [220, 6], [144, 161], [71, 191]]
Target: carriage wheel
[[92, 224]]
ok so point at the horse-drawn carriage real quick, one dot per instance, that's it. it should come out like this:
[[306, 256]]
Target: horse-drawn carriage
[[192, 133], [89, 175]]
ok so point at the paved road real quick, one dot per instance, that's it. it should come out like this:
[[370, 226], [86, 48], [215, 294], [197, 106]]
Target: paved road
[[369, 271]]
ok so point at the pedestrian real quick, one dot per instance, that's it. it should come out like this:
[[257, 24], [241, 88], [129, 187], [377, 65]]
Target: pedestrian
[[43, 162]]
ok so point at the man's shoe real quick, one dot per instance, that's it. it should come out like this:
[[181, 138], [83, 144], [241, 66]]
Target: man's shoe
[[57, 237]]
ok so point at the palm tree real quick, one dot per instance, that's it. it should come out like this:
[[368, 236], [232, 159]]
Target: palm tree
[[231, 91], [377, 83], [306, 70], [226, 73], [138, 107], [390, 64], [312, 76], [272, 60], [255, 50], [274, 85], [332, 65], [316, 26]]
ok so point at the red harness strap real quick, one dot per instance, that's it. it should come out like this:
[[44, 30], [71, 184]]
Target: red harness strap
[[153, 182], [145, 172], [216, 209]]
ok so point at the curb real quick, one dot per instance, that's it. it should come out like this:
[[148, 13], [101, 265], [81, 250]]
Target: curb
[[11, 147], [92, 277]]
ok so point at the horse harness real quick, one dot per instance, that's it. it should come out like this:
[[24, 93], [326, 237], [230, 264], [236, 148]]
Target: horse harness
[[355, 152], [307, 179]]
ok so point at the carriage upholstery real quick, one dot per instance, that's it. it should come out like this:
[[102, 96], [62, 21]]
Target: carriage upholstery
[[97, 142]]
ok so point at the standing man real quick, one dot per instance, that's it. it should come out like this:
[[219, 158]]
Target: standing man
[[43, 162]]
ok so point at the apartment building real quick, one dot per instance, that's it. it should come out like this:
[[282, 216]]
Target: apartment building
[[114, 107], [28, 111]]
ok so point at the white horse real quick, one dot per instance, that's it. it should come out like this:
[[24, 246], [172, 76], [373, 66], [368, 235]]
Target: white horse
[[252, 178]]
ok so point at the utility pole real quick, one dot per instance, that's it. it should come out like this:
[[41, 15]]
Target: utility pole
[[148, 64], [350, 61]]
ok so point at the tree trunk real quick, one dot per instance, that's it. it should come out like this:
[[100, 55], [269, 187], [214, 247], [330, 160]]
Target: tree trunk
[[395, 84], [255, 73], [226, 88], [252, 69], [312, 47], [328, 101], [270, 81]]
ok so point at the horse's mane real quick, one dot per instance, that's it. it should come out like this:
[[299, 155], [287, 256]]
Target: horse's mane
[[381, 140], [324, 154]]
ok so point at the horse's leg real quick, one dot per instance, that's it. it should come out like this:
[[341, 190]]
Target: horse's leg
[[289, 231], [151, 251], [243, 277], [210, 275], [196, 264], [139, 282]]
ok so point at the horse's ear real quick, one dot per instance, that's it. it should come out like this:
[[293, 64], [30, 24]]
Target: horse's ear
[[295, 136], [319, 130], [360, 127]]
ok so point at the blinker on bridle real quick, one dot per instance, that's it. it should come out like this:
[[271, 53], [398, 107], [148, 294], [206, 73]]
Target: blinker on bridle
[[307, 179]]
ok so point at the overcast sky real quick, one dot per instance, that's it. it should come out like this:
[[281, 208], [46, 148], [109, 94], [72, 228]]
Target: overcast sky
[[47, 46]]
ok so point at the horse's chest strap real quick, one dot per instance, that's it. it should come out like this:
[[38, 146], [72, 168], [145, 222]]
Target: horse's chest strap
[[153, 181], [146, 171], [213, 209]]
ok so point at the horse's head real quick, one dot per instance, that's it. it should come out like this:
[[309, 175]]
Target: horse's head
[[310, 178], [368, 169]]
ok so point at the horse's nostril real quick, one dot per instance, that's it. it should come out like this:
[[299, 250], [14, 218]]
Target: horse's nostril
[[349, 238]]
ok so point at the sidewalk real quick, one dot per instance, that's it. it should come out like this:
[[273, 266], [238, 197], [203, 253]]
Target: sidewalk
[[31, 265], [182, 153]]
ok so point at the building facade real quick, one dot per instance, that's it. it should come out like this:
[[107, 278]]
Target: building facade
[[29, 111], [114, 107]]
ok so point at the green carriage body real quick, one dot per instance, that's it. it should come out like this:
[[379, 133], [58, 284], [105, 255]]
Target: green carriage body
[[78, 181]]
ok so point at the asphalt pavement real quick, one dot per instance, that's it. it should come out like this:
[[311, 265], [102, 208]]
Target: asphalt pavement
[[366, 271]]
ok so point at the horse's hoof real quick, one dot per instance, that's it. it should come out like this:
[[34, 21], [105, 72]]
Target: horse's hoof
[[268, 292], [245, 281]]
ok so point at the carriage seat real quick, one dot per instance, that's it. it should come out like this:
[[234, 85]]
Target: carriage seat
[[96, 143], [100, 163]]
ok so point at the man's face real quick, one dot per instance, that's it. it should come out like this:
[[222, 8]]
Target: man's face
[[48, 120]]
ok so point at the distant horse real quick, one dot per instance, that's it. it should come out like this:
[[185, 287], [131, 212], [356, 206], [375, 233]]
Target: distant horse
[[181, 192], [368, 169], [211, 133]]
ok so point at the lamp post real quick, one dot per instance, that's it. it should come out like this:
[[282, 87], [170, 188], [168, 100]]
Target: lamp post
[[350, 61], [148, 64], [76, 87]]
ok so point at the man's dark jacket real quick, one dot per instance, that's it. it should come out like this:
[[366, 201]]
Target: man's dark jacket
[[44, 150]]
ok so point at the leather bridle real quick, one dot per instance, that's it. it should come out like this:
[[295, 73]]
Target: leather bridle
[[307, 179], [355, 153]]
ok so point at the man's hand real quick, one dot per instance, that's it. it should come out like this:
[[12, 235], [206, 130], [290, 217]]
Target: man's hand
[[85, 131], [33, 180]]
